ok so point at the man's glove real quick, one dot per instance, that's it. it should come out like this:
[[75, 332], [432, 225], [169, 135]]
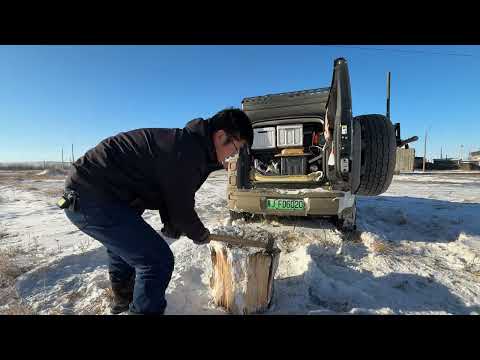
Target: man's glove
[[171, 232], [204, 239]]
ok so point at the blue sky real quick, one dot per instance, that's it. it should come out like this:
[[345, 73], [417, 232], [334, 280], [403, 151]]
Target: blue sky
[[53, 96]]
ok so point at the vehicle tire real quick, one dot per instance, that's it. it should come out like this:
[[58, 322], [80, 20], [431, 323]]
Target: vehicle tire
[[379, 149]]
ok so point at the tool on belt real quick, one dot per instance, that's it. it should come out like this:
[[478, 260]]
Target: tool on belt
[[68, 200], [268, 245]]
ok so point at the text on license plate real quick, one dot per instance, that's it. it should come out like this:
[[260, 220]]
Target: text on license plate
[[286, 204]]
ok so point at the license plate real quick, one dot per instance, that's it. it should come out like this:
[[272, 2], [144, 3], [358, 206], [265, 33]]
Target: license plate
[[286, 204]]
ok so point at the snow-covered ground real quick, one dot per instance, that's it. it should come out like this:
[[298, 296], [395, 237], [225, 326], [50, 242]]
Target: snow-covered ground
[[416, 251]]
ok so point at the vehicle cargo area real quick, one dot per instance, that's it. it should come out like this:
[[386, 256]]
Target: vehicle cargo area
[[289, 154]]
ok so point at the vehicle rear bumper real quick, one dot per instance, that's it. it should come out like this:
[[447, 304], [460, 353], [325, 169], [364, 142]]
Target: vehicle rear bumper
[[322, 203]]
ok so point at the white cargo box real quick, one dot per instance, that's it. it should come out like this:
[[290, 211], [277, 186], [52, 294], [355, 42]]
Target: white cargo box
[[290, 135], [264, 138]]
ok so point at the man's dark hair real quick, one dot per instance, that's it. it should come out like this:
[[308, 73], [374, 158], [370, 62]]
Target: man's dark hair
[[235, 123]]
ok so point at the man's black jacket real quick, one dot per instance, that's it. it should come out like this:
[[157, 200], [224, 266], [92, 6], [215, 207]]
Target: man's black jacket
[[151, 169]]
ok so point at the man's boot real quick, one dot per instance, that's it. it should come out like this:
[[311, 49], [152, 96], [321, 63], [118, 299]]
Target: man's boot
[[122, 296]]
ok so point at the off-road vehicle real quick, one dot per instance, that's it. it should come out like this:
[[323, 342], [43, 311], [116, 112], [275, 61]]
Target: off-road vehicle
[[310, 156]]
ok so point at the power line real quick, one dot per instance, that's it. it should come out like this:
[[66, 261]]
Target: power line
[[406, 51]]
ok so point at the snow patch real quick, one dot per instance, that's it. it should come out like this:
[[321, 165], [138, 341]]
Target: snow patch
[[416, 251]]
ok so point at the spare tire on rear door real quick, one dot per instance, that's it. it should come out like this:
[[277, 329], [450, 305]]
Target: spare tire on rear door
[[378, 154]]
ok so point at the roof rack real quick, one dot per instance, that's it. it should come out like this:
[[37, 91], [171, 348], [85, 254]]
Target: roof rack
[[291, 94]]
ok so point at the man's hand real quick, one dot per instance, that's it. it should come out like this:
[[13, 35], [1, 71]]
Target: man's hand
[[170, 232], [204, 239]]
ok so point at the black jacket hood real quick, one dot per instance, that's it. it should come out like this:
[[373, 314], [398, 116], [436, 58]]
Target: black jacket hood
[[202, 129]]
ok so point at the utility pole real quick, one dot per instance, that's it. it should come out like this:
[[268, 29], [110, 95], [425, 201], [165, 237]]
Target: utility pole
[[72, 155], [62, 159], [441, 153], [425, 151]]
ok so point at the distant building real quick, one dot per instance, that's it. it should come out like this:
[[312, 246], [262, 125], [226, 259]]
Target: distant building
[[469, 165], [455, 164], [474, 156], [418, 162], [405, 160], [449, 163], [446, 164]]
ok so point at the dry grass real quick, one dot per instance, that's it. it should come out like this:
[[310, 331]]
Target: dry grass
[[47, 190], [7, 295], [74, 296], [3, 234], [377, 246], [31, 188], [9, 178], [84, 243], [109, 294], [290, 241], [380, 247], [14, 251], [473, 267], [17, 177], [30, 181], [54, 193], [353, 236], [18, 309], [51, 192], [8, 266], [55, 311], [9, 271], [96, 307]]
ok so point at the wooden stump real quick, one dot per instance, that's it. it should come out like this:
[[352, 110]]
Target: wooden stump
[[242, 278]]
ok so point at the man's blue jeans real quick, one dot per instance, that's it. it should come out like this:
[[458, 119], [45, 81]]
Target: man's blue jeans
[[134, 249]]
